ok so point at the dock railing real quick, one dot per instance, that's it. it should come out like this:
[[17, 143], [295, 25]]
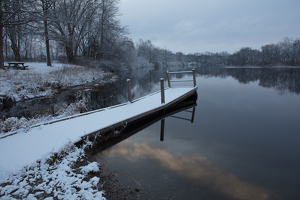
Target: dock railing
[[185, 80], [162, 87]]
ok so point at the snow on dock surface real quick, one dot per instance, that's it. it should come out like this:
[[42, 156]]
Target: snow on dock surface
[[22, 149]]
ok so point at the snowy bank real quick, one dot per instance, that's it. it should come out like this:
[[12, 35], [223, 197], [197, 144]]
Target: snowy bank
[[40, 80], [59, 180]]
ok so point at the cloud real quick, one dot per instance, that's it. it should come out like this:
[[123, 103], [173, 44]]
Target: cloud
[[193, 168], [199, 26]]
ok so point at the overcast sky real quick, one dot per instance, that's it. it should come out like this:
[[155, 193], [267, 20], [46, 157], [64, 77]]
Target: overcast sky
[[191, 26]]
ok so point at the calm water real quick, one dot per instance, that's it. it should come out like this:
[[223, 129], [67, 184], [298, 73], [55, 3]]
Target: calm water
[[244, 142]]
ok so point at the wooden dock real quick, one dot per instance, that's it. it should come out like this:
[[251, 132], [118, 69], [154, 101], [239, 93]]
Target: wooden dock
[[51, 137], [110, 138]]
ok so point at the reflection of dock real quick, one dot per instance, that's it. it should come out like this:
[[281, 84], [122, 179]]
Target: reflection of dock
[[110, 138], [22, 149]]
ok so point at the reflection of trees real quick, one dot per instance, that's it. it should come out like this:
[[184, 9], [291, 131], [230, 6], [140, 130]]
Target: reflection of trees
[[143, 81], [103, 96], [282, 80]]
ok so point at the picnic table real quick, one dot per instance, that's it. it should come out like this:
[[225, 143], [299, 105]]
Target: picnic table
[[18, 65]]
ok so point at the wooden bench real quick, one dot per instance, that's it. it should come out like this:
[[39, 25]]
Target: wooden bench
[[17, 65]]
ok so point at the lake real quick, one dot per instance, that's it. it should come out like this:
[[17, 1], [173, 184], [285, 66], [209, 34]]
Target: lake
[[244, 142]]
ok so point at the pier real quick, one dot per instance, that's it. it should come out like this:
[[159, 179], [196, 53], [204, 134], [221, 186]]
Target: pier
[[21, 149]]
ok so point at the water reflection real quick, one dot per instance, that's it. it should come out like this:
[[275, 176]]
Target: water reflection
[[192, 167], [162, 122], [243, 144], [196, 168], [182, 118], [283, 80]]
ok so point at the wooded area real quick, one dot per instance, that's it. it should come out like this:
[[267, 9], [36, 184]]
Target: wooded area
[[89, 30], [36, 30], [286, 52]]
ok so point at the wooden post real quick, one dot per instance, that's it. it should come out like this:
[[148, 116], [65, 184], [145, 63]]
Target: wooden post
[[129, 91], [162, 130], [169, 84], [193, 115], [162, 90], [194, 77]]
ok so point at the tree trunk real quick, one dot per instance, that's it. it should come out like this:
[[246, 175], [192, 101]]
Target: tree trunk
[[45, 13], [1, 38], [102, 29], [47, 43], [70, 54], [1, 47], [15, 48]]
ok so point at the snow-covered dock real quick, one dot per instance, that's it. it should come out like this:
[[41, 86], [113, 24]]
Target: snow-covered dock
[[22, 149]]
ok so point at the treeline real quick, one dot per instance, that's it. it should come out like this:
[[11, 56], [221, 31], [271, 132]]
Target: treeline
[[286, 52]]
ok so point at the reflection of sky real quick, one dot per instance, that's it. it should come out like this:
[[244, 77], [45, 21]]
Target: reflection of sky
[[244, 138], [192, 167]]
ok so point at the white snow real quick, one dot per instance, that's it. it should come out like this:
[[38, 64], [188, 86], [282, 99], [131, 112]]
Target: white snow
[[58, 180], [12, 125], [92, 167], [24, 149], [41, 80]]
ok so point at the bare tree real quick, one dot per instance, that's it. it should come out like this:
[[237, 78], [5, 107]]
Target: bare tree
[[270, 53], [14, 16], [296, 51], [107, 35], [167, 57], [286, 50], [69, 22], [145, 49], [46, 6]]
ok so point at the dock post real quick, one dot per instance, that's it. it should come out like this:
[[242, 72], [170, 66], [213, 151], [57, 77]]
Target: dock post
[[169, 84], [194, 77], [162, 129], [193, 115], [129, 91], [162, 90]]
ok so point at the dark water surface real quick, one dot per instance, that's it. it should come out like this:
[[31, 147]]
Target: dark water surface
[[244, 142]]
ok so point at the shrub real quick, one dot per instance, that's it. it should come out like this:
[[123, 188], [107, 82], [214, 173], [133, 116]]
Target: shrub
[[13, 124]]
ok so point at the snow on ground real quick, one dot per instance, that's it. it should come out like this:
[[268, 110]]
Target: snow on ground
[[42, 68], [12, 125], [59, 180], [23, 149], [41, 80]]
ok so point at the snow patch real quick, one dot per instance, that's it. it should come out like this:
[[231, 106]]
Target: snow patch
[[92, 167], [59, 180]]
